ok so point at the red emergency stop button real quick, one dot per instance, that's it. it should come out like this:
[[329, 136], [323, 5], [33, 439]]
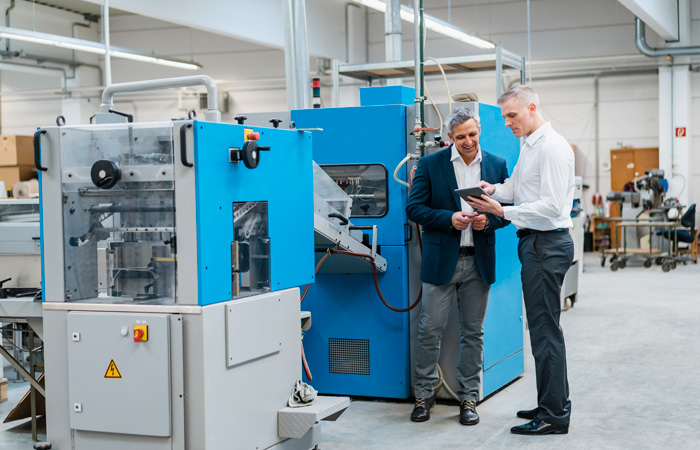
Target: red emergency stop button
[[250, 135], [140, 333]]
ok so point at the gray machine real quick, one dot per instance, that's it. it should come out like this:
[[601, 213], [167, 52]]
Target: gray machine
[[171, 302], [569, 287]]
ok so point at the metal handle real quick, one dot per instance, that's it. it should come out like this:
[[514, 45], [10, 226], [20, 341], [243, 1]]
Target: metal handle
[[37, 150], [183, 145], [343, 219]]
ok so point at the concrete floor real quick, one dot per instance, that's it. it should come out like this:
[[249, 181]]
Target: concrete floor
[[633, 342], [633, 348]]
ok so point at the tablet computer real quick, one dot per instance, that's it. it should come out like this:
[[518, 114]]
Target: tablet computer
[[470, 192]]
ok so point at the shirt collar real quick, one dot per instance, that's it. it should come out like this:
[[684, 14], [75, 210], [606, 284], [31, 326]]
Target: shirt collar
[[538, 133], [455, 155]]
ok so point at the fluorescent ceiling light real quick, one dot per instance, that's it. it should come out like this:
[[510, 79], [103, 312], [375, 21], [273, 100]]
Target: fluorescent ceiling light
[[82, 45], [433, 24]]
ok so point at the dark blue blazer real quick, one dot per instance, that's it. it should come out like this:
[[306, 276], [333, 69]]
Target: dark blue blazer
[[432, 202]]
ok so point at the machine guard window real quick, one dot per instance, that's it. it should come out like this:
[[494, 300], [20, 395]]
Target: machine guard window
[[367, 185], [250, 249], [119, 214]]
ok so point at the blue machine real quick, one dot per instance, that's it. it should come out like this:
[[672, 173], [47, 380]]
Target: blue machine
[[218, 182], [357, 346]]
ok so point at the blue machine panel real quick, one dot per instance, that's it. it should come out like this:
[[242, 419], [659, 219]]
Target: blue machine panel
[[341, 143], [356, 345], [345, 309], [503, 327], [387, 95], [283, 179]]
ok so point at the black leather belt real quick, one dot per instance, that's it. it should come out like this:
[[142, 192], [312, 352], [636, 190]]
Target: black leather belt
[[527, 231], [466, 251]]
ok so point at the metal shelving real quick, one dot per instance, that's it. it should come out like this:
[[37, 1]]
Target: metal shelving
[[369, 72]]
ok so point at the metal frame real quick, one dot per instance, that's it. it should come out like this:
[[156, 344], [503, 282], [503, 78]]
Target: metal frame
[[458, 64]]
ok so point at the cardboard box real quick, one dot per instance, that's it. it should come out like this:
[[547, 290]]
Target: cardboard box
[[16, 150], [3, 390], [11, 175]]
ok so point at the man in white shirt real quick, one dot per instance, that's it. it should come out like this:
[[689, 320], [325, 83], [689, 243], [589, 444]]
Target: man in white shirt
[[458, 256], [541, 191]]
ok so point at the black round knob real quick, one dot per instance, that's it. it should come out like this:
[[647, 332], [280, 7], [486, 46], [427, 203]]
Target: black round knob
[[251, 154], [275, 122], [105, 174], [240, 119]]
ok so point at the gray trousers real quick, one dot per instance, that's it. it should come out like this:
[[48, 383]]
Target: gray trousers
[[545, 259], [472, 300]]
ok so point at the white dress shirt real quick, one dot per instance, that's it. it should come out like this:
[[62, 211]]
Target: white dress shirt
[[541, 187], [467, 176]]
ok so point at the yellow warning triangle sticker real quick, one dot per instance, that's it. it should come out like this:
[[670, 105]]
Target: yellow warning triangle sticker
[[112, 371]]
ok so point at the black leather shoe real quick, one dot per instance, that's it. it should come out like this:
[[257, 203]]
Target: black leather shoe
[[421, 412], [538, 427], [528, 414], [467, 413]]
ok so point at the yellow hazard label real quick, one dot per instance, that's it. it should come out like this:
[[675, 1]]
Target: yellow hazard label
[[112, 371]]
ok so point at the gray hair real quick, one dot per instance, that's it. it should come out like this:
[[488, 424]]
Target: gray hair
[[524, 94], [458, 116]]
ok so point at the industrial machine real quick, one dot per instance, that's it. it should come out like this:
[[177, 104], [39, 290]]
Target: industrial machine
[[171, 264], [644, 210], [20, 275], [569, 287], [363, 332]]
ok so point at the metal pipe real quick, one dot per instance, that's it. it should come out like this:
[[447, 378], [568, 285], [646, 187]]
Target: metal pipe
[[422, 72], [347, 29], [108, 48], [596, 108], [7, 23], [213, 113], [416, 55], [296, 55], [418, 43], [392, 30], [643, 47], [529, 42]]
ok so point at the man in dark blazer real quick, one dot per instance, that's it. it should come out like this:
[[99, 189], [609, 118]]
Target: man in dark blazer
[[458, 257]]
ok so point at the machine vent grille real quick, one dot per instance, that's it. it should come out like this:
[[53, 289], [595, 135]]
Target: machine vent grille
[[349, 356]]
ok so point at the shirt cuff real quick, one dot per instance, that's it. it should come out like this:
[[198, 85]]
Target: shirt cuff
[[510, 213], [495, 194]]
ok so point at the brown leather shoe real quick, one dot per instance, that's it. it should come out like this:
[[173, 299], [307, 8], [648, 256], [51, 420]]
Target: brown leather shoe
[[467, 413], [421, 411]]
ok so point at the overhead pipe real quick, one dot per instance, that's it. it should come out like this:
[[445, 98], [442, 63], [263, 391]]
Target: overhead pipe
[[108, 47], [643, 47], [7, 23], [348, 52], [213, 114], [392, 30], [296, 55]]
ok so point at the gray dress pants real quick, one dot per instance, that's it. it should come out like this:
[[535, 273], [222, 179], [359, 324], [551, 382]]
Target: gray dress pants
[[545, 259], [472, 300]]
